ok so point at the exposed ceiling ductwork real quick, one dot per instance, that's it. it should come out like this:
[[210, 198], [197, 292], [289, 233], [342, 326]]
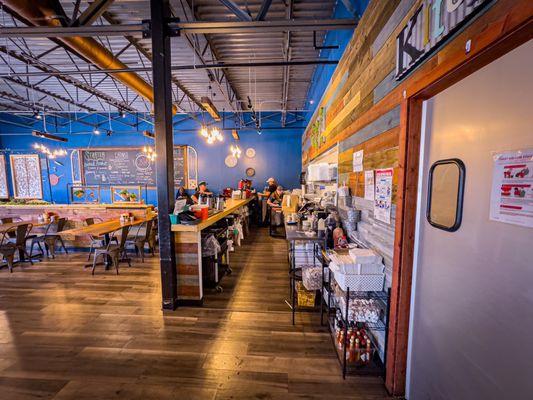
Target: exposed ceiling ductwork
[[51, 13]]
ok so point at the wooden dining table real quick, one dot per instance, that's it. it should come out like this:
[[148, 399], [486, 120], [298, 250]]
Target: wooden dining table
[[9, 225], [102, 229]]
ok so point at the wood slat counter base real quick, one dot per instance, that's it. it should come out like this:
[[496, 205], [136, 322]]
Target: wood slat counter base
[[188, 248]]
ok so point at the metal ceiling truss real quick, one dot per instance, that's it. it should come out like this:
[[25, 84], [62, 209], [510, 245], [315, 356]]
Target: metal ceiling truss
[[135, 43], [287, 69], [265, 5], [235, 9], [91, 13], [43, 67], [301, 25], [218, 77]]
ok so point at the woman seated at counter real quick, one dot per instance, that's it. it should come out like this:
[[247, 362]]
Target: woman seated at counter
[[200, 190], [183, 195]]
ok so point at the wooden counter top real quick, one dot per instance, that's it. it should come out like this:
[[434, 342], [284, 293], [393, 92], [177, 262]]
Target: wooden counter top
[[231, 206]]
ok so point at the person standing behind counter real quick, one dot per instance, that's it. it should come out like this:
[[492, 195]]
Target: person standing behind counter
[[201, 189]]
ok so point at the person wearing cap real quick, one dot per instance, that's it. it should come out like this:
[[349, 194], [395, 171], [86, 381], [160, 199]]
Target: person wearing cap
[[272, 185], [201, 189], [274, 202]]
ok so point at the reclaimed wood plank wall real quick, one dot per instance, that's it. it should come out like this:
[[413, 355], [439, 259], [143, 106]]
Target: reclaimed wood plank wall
[[366, 108], [357, 119]]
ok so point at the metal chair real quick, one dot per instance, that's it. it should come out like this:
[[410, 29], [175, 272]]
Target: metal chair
[[22, 235], [96, 241], [50, 238], [8, 248], [141, 238], [10, 220], [113, 251], [154, 237]]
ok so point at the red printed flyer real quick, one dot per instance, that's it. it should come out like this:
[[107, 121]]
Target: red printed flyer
[[511, 198]]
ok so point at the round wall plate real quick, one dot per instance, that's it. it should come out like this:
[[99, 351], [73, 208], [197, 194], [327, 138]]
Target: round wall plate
[[230, 161], [250, 152], [250, 172]]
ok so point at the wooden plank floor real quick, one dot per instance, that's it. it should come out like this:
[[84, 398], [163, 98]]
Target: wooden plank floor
[[65, 334]]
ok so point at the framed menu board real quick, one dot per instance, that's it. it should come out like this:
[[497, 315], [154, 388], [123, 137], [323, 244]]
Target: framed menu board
[[117, 166], [26, 176], [4, 191], [129, 166]]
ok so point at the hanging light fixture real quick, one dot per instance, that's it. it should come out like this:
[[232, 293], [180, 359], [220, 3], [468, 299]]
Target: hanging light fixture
[[49, 153], [235, 151], [150, 153], [212, 135]]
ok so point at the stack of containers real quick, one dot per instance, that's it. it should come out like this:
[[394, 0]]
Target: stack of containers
[[305, 259], [361, 271]]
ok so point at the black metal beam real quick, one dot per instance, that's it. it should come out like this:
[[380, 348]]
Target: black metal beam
[[92, 13], [300, 25], [235, 9], [137, 44], [160, 12], [254, 64], [265, 5]]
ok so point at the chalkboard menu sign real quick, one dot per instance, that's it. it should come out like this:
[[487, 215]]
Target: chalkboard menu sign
[[180, 163], [128, 166], [117, 167]]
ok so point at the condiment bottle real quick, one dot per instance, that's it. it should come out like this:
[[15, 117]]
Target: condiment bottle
[[352, 353]]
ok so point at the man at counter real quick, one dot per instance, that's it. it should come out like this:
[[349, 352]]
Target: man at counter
[[274, 202], [269, 190], [200, 190]]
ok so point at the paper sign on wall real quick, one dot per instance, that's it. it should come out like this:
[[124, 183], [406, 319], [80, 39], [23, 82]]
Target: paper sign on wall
[[383, 195], [369, 185], [511, 198], [358, 161]]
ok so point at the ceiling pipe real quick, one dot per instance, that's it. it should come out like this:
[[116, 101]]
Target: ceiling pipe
[[50, 13]]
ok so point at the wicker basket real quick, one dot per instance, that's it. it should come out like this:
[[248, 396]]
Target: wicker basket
[[306, 298]]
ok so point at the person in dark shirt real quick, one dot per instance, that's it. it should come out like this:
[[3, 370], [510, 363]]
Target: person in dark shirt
[[274, 202], [201, 189], [276, 198], [182, 194], [272, 185]]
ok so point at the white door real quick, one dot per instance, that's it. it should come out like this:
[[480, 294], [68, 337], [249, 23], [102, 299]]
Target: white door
[[471, 333]]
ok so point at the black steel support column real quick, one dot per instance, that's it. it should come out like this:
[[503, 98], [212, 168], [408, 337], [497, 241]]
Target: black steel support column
[[160, 12]]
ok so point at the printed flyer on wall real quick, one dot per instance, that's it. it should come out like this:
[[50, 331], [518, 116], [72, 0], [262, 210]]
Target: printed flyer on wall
[[511, 197], [369, 185], [383, 194]]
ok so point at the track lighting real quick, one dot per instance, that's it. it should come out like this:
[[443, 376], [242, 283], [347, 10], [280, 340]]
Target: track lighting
[[96, 131], [122, 114], [49, 136]]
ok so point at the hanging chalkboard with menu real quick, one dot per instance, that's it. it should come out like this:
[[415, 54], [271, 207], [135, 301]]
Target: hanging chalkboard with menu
[[128, 166], [118, 166], [180, 166]]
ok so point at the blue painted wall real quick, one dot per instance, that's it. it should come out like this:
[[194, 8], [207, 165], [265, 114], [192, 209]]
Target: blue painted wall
[[278, 151]]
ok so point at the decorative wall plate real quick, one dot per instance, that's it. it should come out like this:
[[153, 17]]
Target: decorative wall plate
[[250, 152], [230, 161], [250, 172]]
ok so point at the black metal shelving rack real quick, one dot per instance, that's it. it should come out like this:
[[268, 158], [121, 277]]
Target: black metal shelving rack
[[329, 308], [295, 275]]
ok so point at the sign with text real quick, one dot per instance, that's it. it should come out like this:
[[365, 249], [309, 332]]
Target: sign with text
[[430, 25]]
